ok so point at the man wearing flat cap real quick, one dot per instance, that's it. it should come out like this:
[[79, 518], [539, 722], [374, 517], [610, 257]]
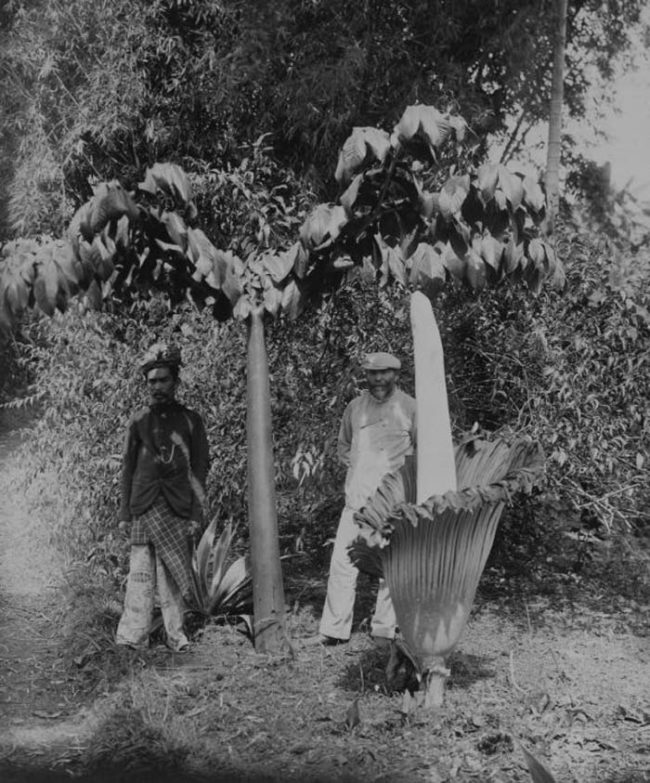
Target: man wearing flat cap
[[377, 433], [163, 483]]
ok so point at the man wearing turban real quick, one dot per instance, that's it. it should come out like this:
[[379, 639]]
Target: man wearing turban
[[377, 433], [163, 484]]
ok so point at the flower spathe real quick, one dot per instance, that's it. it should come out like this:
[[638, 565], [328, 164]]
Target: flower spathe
[[433, 554]]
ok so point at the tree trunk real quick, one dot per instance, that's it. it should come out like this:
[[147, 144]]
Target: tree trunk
[[268, 591], [555, 120]]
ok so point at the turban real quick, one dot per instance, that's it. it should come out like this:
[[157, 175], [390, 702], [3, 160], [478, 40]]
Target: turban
[[380, 361], [161, 355]]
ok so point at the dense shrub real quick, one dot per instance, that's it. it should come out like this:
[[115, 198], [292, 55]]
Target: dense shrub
[[86, 366], [565, 368], [569, 369]]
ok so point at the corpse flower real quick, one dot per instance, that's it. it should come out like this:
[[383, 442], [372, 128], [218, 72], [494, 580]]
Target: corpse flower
[[430, 526]]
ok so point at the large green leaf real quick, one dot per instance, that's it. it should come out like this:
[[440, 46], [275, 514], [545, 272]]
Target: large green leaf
[[205, 257], [232, 286], [426, 266], [102, 256], [513, 253], [176, 229], [453, 263], [512, 186], [348, 198], [423, 121], [292, 300], [272, 299], [71, 268], [46, 286], [109, 202], [487, 178], [453, 194], [392, 263], [323, 223], [475, 270], [16, 293], [170, 179], [6, 317], [491, 251], [80, 225], [278, 265], [94, 296], [533, 197], [363, 145]]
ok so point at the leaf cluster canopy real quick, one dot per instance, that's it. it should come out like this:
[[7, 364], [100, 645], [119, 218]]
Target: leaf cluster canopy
[[396, 220]]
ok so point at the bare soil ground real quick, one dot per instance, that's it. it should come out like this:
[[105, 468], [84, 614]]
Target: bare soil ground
[[567, 679]]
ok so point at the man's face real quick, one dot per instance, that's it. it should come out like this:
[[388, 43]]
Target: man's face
[[381, 383], [161, 384]]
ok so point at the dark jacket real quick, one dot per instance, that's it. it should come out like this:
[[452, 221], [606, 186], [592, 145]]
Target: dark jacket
[[166, 452]]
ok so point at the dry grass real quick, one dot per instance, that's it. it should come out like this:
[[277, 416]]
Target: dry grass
[[569, 694]]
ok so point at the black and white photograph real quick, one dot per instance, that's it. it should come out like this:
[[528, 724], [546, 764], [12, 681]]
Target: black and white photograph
[[324, 391]]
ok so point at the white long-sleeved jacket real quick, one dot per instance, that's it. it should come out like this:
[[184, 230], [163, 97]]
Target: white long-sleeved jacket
[[374, 438]]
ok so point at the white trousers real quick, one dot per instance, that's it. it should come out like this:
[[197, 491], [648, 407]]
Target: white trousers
[[146, 572], [341, 589]]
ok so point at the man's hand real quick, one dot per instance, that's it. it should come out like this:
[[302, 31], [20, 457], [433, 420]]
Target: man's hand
[[194, 530], [124, 524]]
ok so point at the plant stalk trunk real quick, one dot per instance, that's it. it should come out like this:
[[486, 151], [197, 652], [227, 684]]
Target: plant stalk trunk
[[268, 590], [555, 120]]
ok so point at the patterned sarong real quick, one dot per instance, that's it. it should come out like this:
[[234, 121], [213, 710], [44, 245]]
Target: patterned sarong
[[146, 573], [168, 534]]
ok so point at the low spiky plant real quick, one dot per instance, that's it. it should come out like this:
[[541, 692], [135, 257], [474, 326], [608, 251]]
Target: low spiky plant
[[220, 590], [433, 554]]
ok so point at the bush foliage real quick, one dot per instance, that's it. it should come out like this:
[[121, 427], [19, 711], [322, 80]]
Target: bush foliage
[[567, 369]]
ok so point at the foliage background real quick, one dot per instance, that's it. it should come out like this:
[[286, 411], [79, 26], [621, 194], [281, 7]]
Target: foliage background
[[568, 369], [255, 106], [93, 91]]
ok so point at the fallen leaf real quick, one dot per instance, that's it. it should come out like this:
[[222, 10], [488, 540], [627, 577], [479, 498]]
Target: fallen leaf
[[538, 771]]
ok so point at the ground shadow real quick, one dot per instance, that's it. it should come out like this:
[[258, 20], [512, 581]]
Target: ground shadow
[[368, 671], [365, 671], [467, 669], [15, 773]]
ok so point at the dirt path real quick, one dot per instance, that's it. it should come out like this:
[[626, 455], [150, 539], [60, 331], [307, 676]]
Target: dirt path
[[39, 703]]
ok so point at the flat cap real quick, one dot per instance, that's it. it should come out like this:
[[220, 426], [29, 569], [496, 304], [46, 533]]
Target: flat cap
[[380, 361]]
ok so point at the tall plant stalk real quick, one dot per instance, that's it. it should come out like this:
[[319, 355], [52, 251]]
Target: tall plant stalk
[[555, 119], [268, 590]]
